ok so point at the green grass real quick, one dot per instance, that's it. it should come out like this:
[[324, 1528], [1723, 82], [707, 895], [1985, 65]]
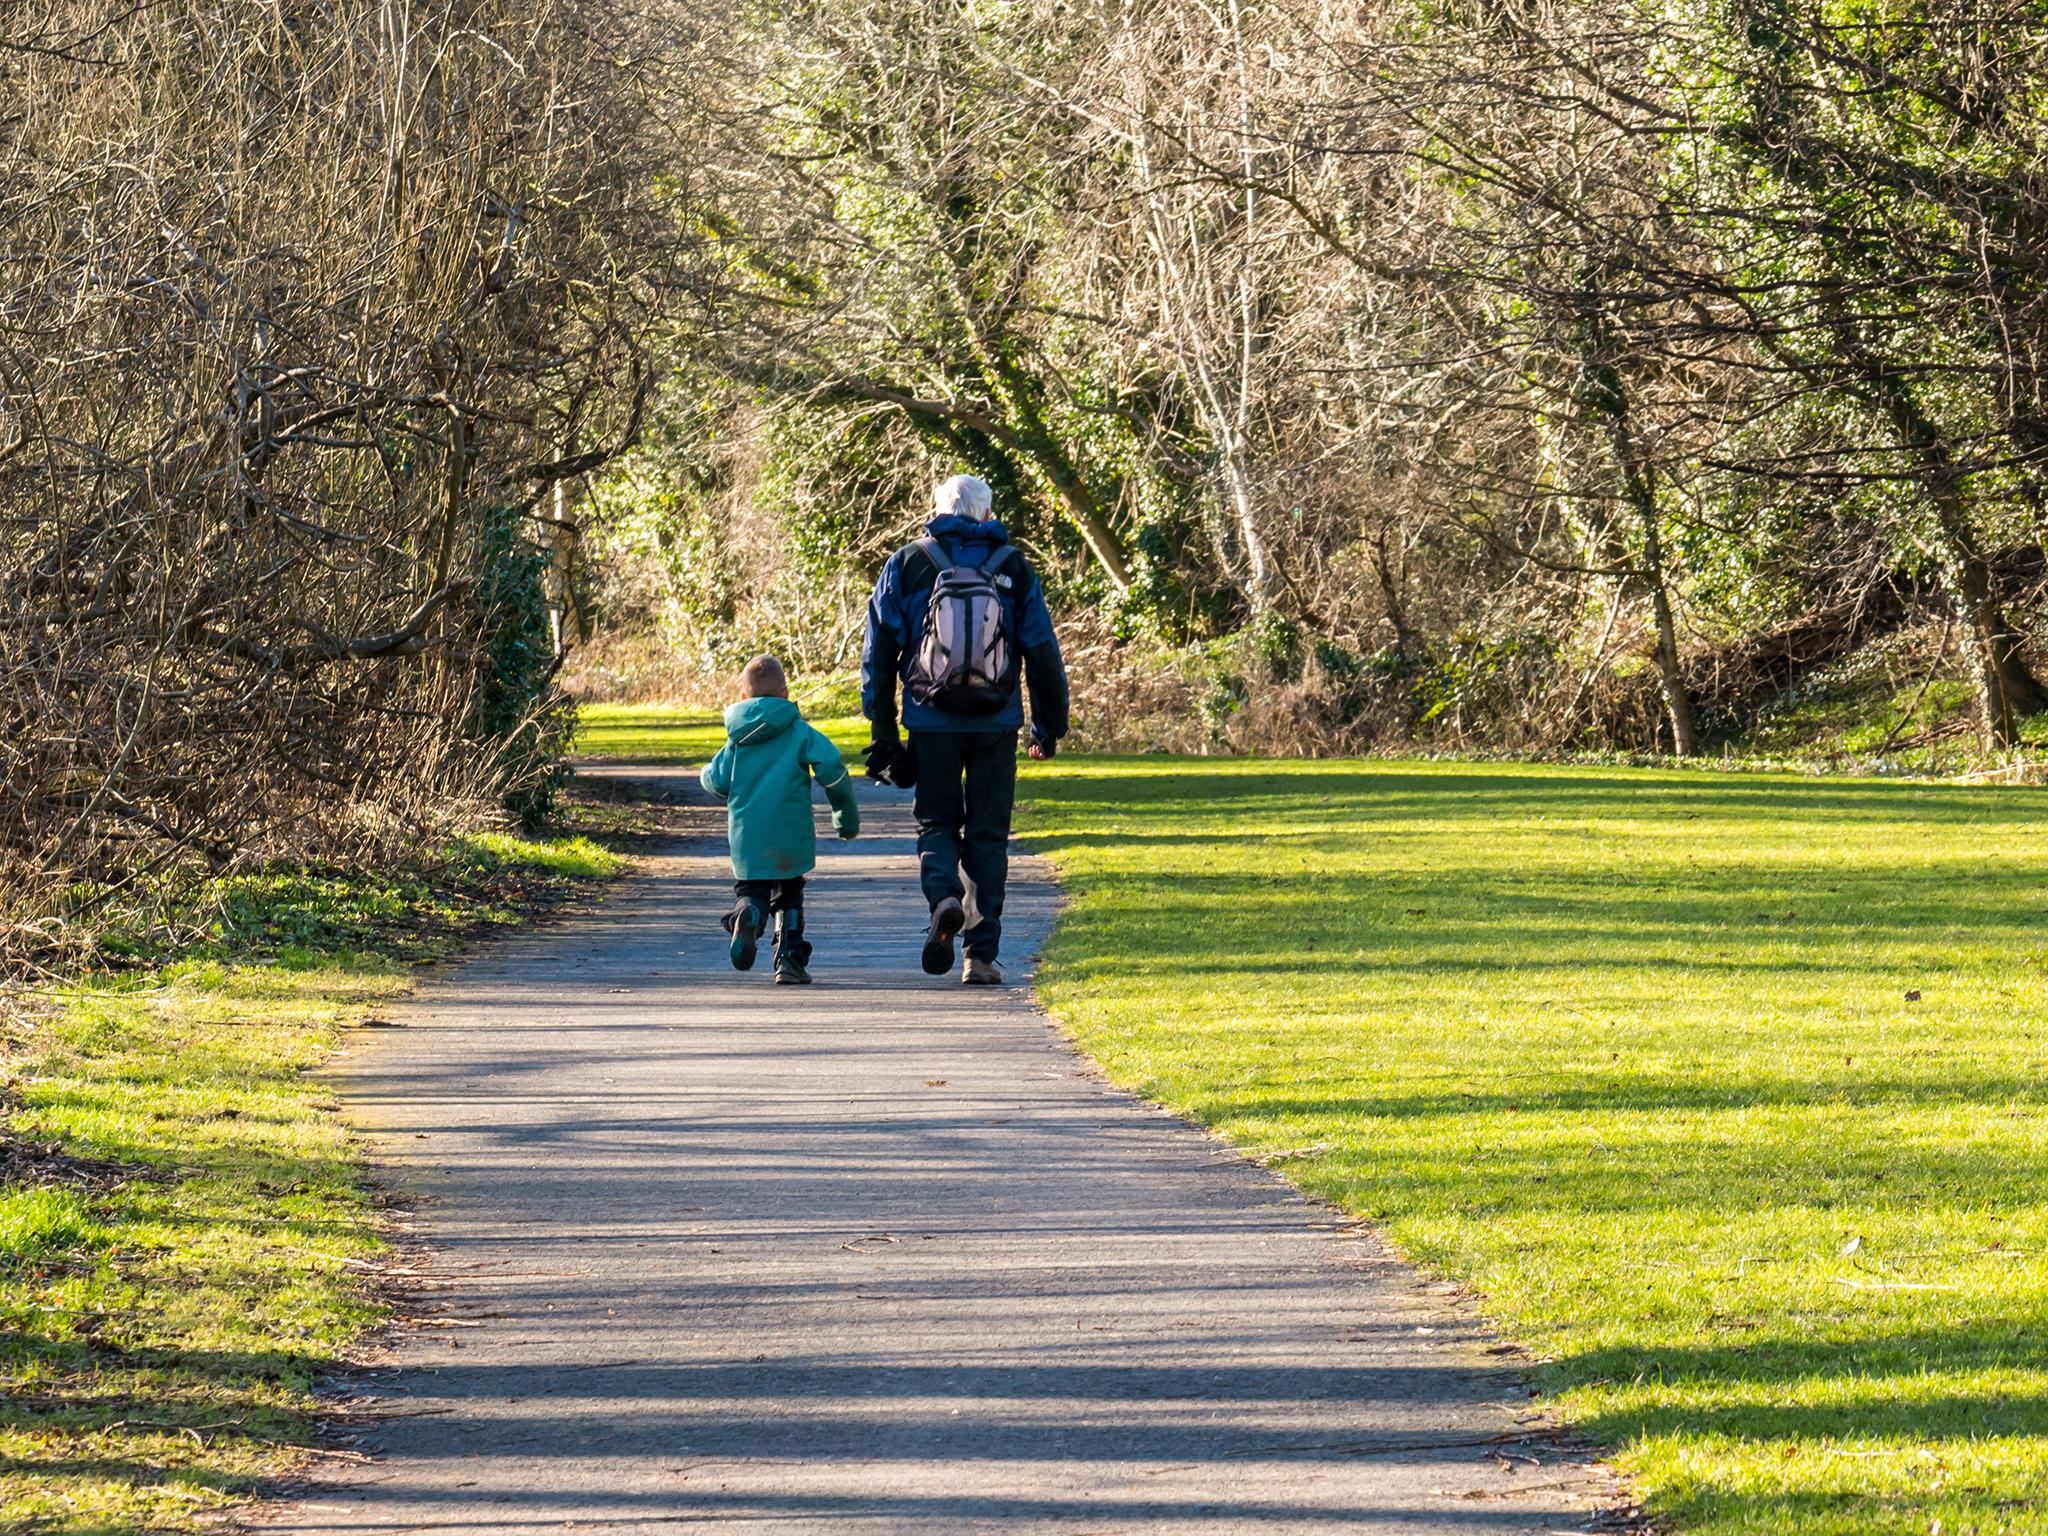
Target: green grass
[[46, 1223], [1724, 1092], [681, 733], [573, 856], [186, 1242]]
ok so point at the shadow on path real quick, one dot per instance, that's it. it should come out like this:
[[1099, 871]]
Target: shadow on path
[[878, 1255]]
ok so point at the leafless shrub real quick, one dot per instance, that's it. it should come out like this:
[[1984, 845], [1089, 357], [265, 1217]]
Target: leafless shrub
[[304, 308]]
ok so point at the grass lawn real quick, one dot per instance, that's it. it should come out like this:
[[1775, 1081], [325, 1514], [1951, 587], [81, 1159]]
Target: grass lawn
[[656, 733], [185, 1240], [1724, 1092]]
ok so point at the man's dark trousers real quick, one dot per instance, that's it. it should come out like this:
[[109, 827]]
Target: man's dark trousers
[[966, 789]]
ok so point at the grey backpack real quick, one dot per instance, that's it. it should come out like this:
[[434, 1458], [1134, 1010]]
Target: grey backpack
[[966, 661]]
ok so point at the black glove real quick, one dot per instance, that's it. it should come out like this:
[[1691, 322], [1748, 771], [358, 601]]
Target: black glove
[[903, 771], [881, 756], [890, 762]]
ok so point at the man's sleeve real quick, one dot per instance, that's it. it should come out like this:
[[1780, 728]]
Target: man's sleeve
[[717, 775], [1045, 670], [830, 768], [881, 653]]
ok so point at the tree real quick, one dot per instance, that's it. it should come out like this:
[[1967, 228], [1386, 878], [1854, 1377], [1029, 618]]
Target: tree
[[300, 304]]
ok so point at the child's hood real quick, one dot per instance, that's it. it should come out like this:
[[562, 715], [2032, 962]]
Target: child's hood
[[753, 720]]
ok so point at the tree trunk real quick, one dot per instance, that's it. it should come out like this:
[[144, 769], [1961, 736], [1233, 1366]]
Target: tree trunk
[[1029, 443], [2006, 688], [454, 492], [1258, 559], [1390, 596], [1642, 497], [1222, 406], [565, 615], [1036, 444], [1025, 429], [1685, 741], [1604, 398]]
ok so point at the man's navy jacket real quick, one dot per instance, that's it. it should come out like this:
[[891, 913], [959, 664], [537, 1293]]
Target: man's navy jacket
[[896, 615]]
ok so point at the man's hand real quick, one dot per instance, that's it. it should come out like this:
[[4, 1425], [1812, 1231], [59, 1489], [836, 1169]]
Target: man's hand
[[882, 754], [1041, 747], [890, 761]]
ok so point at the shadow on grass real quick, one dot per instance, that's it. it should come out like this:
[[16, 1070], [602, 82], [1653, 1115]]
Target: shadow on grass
[[183, 1412], [1992, 1341], [1518, 794]]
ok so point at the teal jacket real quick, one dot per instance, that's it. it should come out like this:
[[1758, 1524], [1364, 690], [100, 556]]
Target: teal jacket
[[763, 774]]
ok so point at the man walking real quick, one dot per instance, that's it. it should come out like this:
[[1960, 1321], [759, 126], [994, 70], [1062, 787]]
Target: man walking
[[959, 619]]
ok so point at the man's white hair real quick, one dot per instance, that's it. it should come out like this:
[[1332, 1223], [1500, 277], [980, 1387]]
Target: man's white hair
[[963, 496]]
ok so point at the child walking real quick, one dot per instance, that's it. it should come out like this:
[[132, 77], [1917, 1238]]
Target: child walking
[[763, 774]]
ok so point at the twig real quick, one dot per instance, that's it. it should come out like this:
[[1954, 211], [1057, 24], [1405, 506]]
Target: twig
[[1401, 1449], [1891, 1285]]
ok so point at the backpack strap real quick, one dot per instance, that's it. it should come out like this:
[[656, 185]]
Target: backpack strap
[[998, 557]]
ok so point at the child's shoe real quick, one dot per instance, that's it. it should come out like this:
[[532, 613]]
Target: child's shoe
[[745, 923], [792, 950]]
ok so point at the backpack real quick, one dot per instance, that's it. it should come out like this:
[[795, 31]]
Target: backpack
[[966, 661]]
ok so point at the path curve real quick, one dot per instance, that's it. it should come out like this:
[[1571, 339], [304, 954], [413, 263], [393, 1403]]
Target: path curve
[[882, 1255]]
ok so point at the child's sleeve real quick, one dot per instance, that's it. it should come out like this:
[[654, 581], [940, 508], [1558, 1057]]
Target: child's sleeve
[[717, 775], [825, 762]]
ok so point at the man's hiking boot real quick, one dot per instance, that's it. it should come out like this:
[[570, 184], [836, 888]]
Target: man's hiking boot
[[788, 973], [948, 918], [745, 923], [980, 973]]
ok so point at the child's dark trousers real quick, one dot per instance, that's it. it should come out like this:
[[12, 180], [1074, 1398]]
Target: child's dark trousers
[[784, 900]]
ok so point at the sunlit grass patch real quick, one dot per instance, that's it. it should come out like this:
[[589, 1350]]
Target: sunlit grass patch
[[1725, 1092], [557, 855], [42, 1223], [663, 733]]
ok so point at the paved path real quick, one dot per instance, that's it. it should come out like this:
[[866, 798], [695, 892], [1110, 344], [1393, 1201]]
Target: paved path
[[882, 1255]]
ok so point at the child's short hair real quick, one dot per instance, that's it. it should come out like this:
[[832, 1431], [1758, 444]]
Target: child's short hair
[[763, 678]]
